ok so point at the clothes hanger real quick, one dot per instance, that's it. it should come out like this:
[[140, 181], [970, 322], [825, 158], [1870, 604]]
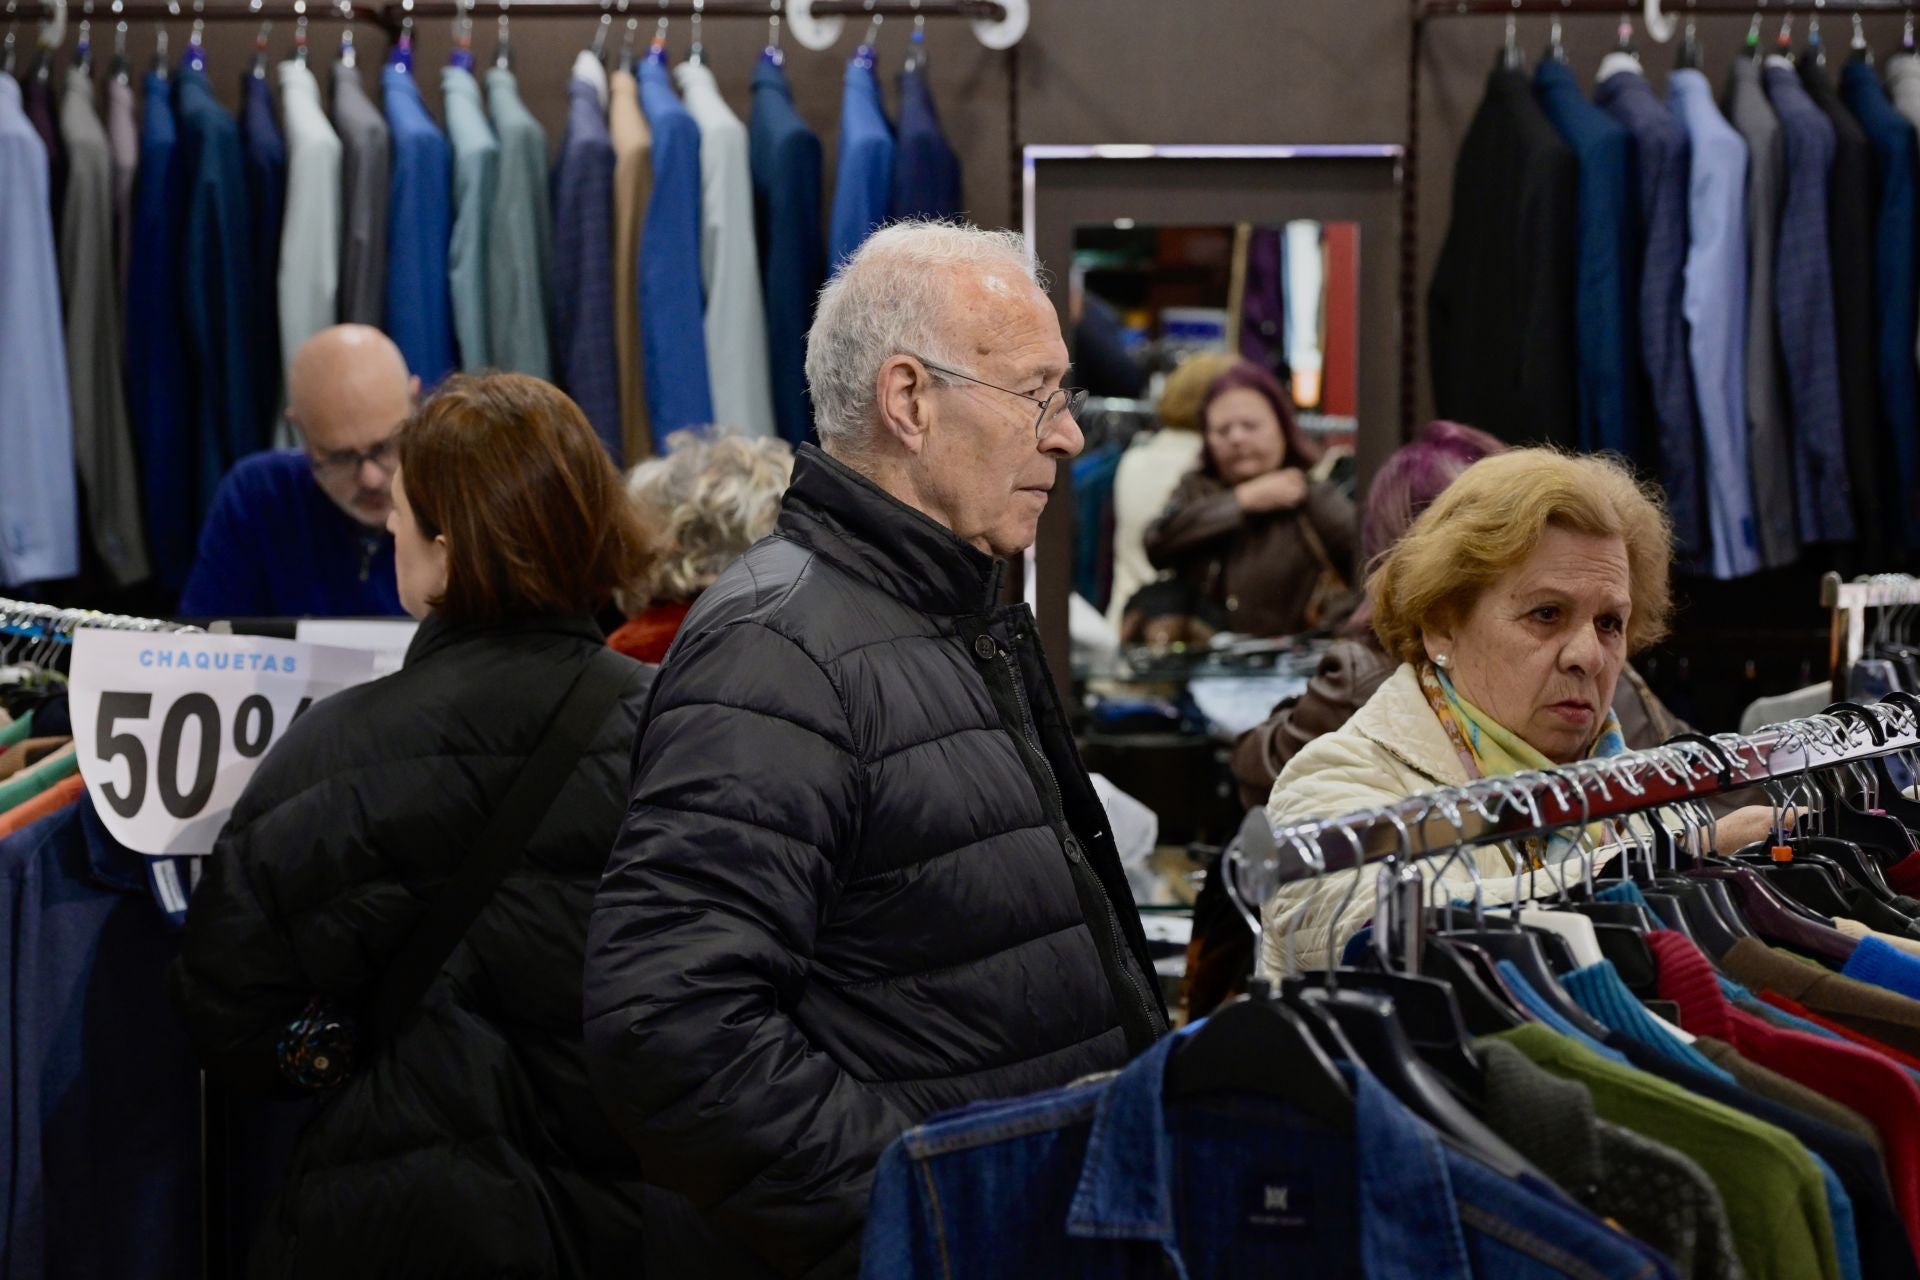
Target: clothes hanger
[[1426, 1007], [195, 57], [1691, 56], [773, 54], [300, 40], [1556, 43], [1816, 50], [629, 54], [1235, 1049], [1861, 52], [863, 53], [916, 63], [657, 47], [1238, 1049], [1522, 948], [1511, 58], [257, 68], [697, 54], [348, 56], [83, 46], [53, 33], [1372, 1024], [460, 56], [503, 41]]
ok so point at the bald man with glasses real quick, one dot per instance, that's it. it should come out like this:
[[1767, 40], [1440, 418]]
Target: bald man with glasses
[[301, 533]]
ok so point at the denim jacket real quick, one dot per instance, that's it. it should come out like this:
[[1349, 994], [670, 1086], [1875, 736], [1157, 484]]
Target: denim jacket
[[1101, 1179]]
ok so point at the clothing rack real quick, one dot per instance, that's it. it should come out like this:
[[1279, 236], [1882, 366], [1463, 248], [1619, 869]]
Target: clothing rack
[[1849, 602], [1424, 12], [23, 619], [391, 16], [1491, 810]]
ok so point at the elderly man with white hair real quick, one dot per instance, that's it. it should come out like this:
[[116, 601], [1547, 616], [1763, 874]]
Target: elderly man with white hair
[[864, 876]]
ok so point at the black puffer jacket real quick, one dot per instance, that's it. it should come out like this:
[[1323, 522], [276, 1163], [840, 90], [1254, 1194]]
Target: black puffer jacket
[[472, 1145], [864, 877]]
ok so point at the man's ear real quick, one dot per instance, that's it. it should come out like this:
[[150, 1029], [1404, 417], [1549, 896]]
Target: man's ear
[[413, 390], [901, 396]]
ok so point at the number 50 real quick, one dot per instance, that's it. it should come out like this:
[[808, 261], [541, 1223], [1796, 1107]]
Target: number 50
[[252, 731]]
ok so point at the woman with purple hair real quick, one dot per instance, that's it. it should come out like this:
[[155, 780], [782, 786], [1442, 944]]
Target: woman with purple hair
[[1255, 543]]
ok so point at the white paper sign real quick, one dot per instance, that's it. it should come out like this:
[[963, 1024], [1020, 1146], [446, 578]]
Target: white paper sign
[[169, 728]]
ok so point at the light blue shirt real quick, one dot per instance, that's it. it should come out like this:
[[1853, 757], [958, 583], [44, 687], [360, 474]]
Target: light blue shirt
[[39, 513], [1715, 303]]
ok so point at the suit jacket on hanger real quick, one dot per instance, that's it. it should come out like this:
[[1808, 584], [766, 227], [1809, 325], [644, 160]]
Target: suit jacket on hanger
[[365, 169], [1803, 297], [1669, 446], [1851, 208], [1769, 422], [786, 160], [1895, 291], [1500, 309], [519, 236], [102, 436], [222, 333], [156, 357], [632, 186]]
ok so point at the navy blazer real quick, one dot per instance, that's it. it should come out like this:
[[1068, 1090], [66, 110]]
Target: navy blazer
[[786, 161], [214, 274]]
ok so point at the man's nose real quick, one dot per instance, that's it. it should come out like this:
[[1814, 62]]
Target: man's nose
[[371, 476], [1062, 438]]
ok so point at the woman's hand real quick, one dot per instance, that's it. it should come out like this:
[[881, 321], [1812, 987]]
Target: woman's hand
[[1281, 490], [1746, 826]]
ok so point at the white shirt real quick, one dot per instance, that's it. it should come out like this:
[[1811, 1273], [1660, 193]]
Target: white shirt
[[736, 320]]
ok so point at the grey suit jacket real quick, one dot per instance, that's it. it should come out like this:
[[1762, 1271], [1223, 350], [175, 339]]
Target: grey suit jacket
[[520, 237], [365, 167], [102, 433], [1769, 442]]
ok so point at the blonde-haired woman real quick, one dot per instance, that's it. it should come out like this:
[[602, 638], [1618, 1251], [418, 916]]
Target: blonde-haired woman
[[709, 498], [1511, 605]]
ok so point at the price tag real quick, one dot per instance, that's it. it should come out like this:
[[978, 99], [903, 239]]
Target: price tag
[[169, 728]]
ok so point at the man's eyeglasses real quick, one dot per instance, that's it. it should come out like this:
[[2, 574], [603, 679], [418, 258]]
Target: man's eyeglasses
[[1067, 400], [341, 463]]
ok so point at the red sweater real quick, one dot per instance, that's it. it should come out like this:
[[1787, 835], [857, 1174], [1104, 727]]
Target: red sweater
[[648, 635], [1852, 1076], [1860, 1038]]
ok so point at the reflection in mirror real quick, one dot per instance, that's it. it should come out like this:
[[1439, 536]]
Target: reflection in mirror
[[1157, 314]]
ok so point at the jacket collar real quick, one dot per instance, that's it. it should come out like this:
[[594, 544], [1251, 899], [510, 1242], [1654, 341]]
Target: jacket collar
[[1398, 720], [1126, 1186], [436, 633], [840, 514], [1549, 1120]]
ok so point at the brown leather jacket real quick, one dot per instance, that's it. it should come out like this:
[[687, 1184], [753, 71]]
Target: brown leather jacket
[[1347, 676], [1261, 569]]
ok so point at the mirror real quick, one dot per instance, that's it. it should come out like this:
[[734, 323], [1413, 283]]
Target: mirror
[[1283, 295], [1143, 302]]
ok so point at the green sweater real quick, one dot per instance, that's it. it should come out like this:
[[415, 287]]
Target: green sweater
[[1775, 1196]]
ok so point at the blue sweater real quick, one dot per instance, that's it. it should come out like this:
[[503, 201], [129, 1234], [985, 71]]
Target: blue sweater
[[275, 546]]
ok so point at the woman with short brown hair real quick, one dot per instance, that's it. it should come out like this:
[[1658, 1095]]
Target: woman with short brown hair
[[456, 1133]]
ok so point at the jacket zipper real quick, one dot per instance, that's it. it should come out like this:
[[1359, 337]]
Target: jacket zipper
[[1118, 952], [367, 547]]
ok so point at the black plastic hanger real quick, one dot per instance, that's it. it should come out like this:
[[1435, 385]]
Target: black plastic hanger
[[1371, 1025], [1239, 1047]]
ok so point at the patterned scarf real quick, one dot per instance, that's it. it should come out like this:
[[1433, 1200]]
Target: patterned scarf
[[1490, 750]]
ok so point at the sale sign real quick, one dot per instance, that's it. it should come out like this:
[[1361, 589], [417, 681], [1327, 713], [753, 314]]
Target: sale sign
[[169, 728]]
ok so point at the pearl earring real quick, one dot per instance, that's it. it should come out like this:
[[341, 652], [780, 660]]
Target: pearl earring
[[1440, 659]]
